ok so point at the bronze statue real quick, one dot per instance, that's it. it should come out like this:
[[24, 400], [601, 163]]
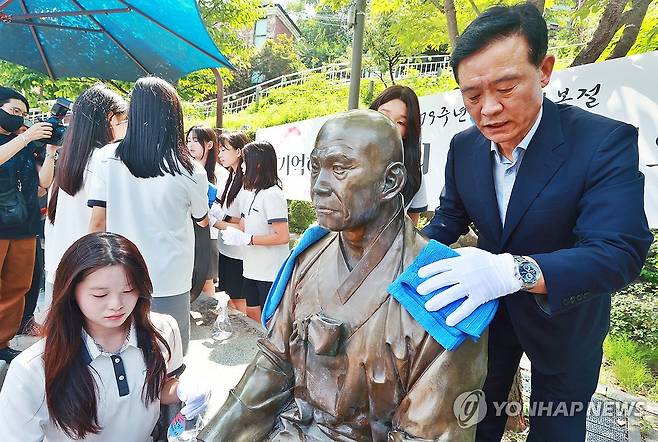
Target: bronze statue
[[343, 360]]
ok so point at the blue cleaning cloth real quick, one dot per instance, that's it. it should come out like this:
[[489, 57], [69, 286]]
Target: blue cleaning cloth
[[403, 289], [212, 194], [312, 235]]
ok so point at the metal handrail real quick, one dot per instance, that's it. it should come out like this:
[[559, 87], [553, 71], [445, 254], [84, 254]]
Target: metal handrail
[[237, 101]]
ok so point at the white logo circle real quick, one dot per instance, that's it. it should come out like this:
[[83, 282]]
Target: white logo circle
[[470, 408]]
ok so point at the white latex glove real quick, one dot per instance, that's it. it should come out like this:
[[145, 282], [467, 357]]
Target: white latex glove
[[477, 275], [235, 237], [194, 396], [215, 214]]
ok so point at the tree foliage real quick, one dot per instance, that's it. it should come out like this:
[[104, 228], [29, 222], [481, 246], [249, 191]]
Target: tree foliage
[[583, 30], [225, 20], [325, 37]]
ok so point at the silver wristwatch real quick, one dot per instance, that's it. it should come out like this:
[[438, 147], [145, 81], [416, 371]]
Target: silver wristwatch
[[527, 271]]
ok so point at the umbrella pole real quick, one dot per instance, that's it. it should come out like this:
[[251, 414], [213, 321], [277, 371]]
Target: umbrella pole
[[219, 118]]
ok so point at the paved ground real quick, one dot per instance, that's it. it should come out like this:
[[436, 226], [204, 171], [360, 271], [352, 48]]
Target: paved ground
[[220, 364]]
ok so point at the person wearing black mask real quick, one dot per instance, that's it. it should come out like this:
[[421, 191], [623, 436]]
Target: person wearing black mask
[[20, 178]]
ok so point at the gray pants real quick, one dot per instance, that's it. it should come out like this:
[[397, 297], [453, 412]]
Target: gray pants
[[177, 306]]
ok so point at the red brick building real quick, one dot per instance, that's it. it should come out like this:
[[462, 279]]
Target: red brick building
[[275, 22]]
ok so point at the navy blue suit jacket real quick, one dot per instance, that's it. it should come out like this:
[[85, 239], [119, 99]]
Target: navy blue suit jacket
[[576, 208]]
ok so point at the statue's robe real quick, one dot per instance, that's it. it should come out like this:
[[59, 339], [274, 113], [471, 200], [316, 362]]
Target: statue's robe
[[344, 361]]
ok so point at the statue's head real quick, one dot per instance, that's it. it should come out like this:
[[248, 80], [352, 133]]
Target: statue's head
[[357, 169]]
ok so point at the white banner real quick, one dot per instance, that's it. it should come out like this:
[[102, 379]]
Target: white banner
[[623, 89]]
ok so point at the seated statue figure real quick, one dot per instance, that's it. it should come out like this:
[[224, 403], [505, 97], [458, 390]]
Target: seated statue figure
[[343, 360]]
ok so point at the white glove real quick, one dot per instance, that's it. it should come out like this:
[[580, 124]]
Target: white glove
[[215, 214], [235, 237], [477, 275], [195, 396]]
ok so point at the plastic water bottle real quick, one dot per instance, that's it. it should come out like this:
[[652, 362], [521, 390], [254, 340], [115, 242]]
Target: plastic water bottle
[[184, 430], [222, 329]]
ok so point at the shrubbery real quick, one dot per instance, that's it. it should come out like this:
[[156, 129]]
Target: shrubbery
[[635, 313], [632, 345], [300, 215], [317, 97]]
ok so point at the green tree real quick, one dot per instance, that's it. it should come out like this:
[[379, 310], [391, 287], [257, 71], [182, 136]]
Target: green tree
[[325, 38], [277, 57], [225, 21], [38, 87]]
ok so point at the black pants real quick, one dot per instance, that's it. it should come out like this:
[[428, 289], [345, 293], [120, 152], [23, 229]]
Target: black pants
[[573, 387], [32, 295]]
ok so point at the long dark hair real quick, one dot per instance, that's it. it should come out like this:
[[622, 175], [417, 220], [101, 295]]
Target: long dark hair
[[89, 129], [154, 143], [204, 134], [70, 388], [412, 140], [235, 141], [261, 172]]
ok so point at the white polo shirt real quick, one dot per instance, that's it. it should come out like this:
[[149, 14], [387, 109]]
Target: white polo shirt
[[234, 211], [155, 214], [260, 209], [71, 220], [24, 415], [418, 203]]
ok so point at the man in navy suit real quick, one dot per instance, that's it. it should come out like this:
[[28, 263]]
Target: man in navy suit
[[557, 200]]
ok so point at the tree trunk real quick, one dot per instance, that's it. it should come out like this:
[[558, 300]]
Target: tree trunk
[[219, 119], [539, 4], [475, 7], [608, 26], [451, 17], [633, 23], [516, 423]]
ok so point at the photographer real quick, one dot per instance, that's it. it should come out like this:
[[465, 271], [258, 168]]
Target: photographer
[[20, 178]]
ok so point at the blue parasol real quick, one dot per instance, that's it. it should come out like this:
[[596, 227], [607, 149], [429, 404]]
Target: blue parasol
[[107, 39]]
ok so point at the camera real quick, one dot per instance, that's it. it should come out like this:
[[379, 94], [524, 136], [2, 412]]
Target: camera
[[57, 114]]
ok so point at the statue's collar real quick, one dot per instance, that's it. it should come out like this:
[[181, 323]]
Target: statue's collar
[[373, 256]]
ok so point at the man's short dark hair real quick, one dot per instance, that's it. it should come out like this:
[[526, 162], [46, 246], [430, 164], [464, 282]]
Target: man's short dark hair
[[499, 22], [7, 94]]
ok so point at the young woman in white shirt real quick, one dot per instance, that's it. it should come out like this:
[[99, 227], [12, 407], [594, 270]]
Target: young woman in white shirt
[[98, 118], [400, 104], [227, 213], [202, 144], [264, 225], [147, 187], [105, 364]]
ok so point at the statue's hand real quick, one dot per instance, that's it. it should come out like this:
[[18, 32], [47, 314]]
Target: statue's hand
[[477, 275]]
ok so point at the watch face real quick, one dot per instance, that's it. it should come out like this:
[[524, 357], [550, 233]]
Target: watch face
[[528, 272]]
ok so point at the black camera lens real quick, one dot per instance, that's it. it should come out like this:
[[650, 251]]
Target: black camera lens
[[57, 114]]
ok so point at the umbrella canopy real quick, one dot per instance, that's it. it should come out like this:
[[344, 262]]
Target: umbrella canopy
[[107, 39]]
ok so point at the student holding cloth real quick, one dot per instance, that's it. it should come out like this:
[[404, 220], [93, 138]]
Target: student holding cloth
[[400, 104], [106, 363], [226, 213], [264, 225], [147, 187], [99, 117]]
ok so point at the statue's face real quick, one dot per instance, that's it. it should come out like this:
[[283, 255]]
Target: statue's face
[[347, 178]]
